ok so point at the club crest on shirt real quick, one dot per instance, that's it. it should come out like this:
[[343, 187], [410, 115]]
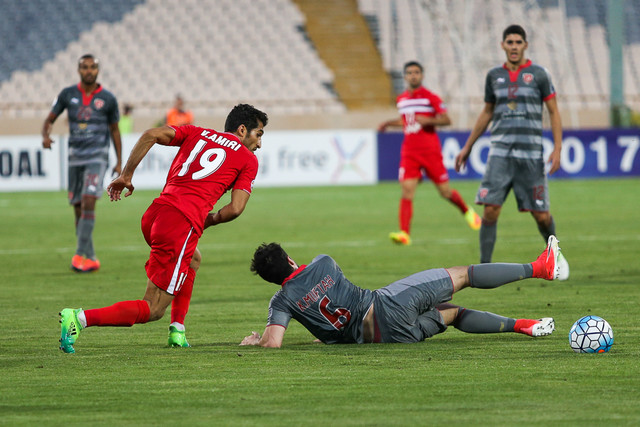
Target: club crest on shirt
[[98, 103], [527, 78]]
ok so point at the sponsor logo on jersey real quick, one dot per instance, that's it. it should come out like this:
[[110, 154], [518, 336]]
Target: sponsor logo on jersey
[[527, 78], [98, 103], [500, 80], [74, 100]]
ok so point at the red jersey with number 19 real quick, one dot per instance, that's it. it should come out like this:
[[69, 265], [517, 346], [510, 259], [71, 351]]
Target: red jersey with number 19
[[419, 102], [208, 164]]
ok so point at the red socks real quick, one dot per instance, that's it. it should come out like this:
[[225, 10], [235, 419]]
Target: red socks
[[405, 214], [124, 313], [522, 324], [456, 199], [538, 270], [406, 209], [128, 313], [180, 303]]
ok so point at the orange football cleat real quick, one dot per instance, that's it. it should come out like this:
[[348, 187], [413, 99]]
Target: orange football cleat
[[90, 265], [76, 263]]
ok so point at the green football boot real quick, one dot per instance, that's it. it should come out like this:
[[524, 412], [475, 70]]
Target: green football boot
[[69, 329], [177, 338]]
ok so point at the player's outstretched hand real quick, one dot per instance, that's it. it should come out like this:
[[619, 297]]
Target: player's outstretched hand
[[117, 185], [252, 339]]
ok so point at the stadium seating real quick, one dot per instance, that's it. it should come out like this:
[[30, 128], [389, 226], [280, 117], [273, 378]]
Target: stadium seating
[[213, 52], [219, 52], [457, 41]]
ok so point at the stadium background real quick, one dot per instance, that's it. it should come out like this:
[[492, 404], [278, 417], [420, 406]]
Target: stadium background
[[317, 68], [330, 64], [326, 72]]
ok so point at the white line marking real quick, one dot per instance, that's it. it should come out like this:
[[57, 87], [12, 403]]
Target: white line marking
[[311, 244]]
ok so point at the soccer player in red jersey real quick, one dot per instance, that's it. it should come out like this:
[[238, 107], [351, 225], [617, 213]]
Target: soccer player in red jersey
[[207, 164], [421, 111]]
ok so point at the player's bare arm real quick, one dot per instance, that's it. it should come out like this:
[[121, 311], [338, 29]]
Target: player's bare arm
[[117, 145], [272, 337], [390, 123], [478, 129], [46, 130], [556, 131], [229, 212], [162, 135], [439, 120]]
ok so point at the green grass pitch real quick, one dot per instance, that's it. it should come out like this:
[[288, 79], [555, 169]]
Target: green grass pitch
[[127, 376]]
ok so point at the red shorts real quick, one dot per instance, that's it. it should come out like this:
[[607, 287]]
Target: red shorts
[[173, 241], [414, 163]]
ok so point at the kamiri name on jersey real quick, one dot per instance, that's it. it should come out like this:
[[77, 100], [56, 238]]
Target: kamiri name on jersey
[[221, 140], [314, 293]]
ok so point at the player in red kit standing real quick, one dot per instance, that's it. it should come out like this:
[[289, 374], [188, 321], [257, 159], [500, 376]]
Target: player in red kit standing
[[208, 164], [421, 111]]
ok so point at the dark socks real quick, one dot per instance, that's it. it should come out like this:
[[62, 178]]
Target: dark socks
[[489, 276], [487, 234], [482, 322], [84, 230], [545, 231]]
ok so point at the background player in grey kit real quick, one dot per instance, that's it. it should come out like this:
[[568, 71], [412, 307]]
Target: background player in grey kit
[[412, 309], [93, 122], [514, 94]]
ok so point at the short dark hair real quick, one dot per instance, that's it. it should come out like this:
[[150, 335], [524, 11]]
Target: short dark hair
[[271, 263], [244, 114], [514, 29], [412, 64], [87, 56]]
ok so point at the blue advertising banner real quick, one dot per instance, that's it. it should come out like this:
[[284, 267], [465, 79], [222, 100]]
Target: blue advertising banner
[[585, 153]]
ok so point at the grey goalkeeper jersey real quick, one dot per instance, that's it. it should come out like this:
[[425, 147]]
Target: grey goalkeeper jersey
[[89, 120], [518, 96], [324, 301]]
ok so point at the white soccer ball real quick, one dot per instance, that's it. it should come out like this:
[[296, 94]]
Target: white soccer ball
[[591, 334]]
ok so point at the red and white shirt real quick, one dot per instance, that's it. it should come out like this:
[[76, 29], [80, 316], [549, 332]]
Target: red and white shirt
[[208, 164], [419, 102]]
